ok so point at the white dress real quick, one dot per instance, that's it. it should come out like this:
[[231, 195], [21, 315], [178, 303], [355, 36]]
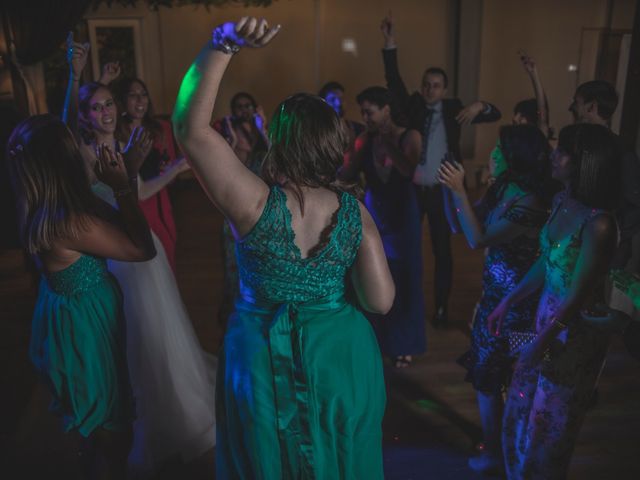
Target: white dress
[[173, 379]]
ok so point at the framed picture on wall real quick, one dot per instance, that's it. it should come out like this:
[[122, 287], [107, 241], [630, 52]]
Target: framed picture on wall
[[116, 39]]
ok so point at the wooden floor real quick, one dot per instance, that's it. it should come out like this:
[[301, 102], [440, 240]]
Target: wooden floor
[[431, 425]]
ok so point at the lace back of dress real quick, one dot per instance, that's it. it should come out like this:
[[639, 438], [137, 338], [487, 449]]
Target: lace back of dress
[[269, 264]]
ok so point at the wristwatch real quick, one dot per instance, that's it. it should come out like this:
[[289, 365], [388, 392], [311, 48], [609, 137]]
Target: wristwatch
[[222, 43]]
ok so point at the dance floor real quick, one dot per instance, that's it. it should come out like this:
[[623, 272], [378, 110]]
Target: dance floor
[[431, 425]]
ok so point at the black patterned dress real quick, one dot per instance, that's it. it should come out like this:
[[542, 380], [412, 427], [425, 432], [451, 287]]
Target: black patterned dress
[[488, 362]]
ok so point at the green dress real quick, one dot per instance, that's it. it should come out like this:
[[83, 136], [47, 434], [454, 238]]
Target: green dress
[[300, 385], [78, 346]]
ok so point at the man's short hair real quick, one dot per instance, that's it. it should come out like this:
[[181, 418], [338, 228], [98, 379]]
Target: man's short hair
[[602, 93], [379, 96], [329, 87], [437, 71]]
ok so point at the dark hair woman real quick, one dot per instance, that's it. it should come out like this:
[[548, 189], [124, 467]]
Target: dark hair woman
[[300, 386], [577, 245], [77, 339], [161, 165], [507, 221], [387, 155], [246, 131]]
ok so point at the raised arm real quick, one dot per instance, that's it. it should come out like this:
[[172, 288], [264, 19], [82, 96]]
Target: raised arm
[[77, 54], [541, 97], [233, 188], [370, 274], [110, 71], [395, 84], [516, 220], [128, 237]]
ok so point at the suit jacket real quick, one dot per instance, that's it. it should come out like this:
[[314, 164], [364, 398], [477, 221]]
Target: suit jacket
[[414, 108]]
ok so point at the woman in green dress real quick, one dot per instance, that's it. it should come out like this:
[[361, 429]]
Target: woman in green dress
[[300, 385], [77, 341]]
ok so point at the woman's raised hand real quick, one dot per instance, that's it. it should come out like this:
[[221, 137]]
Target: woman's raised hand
[[110, 71], [77, 55], [528, 63], [110, 168], [451, 174], [260, 119], [247, 32], [137, 149]]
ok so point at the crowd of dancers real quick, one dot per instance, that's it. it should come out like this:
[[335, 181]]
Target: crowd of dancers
[[323, 266]]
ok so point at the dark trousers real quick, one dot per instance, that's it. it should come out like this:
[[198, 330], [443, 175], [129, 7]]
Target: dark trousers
[[431, 202]]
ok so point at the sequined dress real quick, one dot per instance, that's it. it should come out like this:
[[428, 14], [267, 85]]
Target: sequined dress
[[546, 404], [300, 386], [78, 346], [488, 362]]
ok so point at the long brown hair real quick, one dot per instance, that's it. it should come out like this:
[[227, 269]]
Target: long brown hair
[[149, 122], [50, 180], [595, 162], [308, 143]]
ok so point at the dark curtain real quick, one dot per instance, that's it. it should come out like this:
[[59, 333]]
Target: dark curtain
[[40, 26]]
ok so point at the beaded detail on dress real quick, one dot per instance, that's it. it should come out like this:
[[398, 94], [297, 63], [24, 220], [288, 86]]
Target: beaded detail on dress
[[81, 276], [271, 267]]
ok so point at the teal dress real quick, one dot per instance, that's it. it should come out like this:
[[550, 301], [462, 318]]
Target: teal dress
[[300, 385], [78, 346]]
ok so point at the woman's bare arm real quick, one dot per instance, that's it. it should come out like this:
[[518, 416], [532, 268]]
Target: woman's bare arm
[[77, 55], [127, 237], [370, 275], [148, 188], [233, 188]]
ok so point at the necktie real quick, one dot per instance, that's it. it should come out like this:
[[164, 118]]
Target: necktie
[[425, 135]]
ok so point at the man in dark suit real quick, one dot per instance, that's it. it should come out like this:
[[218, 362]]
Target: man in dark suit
[[439, 120]]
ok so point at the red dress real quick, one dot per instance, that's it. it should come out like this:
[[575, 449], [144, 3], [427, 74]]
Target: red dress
[[157, 208]]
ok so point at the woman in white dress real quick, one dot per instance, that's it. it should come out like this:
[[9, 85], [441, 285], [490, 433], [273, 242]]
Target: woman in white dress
[[173, 379]]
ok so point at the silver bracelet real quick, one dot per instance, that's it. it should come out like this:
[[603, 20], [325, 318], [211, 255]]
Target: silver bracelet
[[222, 43]]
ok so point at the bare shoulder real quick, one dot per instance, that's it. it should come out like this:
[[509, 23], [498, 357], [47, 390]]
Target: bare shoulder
[[412, 137], [368, 225]]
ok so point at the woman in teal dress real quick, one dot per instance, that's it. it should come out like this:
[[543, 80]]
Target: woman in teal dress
[[555, 375], [77, 341], [300, 385]]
